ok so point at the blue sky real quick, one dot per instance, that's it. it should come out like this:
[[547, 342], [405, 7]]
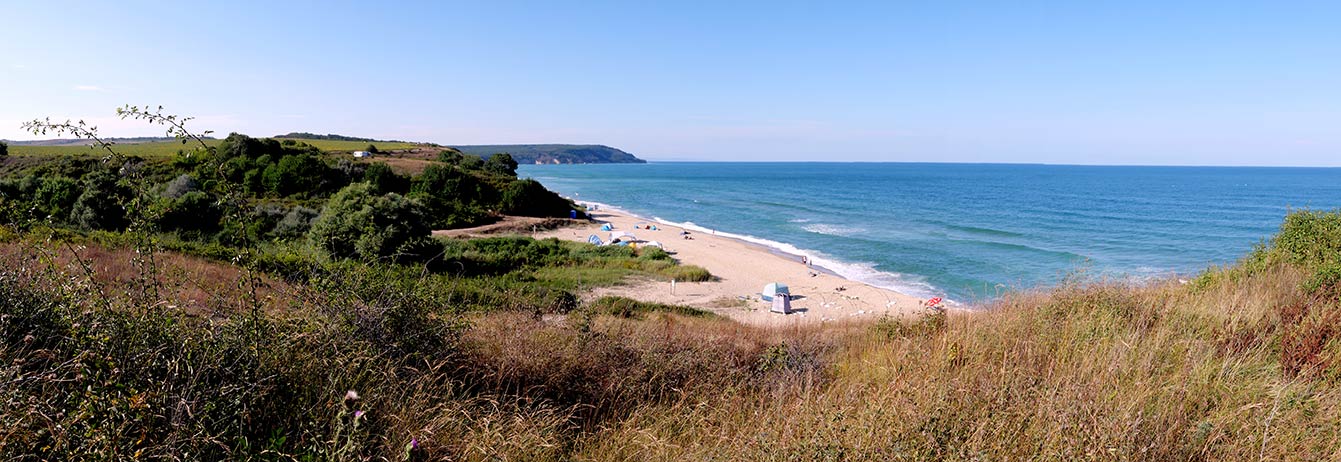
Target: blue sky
[[1196, 83]]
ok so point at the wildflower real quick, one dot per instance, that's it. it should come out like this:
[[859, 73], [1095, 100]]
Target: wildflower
[[414, 443], [358, 414], [351, 395]]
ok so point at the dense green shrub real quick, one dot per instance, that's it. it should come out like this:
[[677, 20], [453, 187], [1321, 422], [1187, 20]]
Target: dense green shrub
[[384, 180], [356, 223], [1309, 238], [56, 195], [295, 174], [194, 211]]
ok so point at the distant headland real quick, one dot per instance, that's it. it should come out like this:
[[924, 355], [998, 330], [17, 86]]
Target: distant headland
[[555, 153]]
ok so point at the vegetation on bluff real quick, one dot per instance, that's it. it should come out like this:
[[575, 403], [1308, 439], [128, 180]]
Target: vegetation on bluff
[[556, 153]]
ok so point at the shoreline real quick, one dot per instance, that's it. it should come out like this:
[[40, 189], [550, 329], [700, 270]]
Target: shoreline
[[920, 290], [820, 295]]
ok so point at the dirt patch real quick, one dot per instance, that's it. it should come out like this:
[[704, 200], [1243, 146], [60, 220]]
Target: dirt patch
[[195, 285], [512, 225]]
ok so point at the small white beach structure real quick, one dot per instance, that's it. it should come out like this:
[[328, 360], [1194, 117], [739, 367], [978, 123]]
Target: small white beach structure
[[782, 303], [362, 154], [772, 290], [654, 244]]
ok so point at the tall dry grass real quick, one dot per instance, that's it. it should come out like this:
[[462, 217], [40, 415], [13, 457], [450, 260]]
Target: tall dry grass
[[1094, 372]]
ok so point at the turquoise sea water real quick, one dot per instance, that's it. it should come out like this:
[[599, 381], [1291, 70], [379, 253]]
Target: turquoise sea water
[[966, 231]]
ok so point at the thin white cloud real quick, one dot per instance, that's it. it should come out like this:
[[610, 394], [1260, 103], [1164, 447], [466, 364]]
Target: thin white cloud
[[87, 88]]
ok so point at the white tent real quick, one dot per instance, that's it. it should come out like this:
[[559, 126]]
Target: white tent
[[773, 289], [623, 236], [654, 244]]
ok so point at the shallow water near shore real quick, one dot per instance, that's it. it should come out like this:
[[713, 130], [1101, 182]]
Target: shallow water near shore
[[966, 231]]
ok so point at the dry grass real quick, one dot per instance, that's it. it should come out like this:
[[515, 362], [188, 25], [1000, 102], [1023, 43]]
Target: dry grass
[[1104, 372], [192, 284]]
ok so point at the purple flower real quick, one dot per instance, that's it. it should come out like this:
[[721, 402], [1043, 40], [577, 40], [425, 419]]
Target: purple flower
[[351, 395], [358, 414], [414, 443]]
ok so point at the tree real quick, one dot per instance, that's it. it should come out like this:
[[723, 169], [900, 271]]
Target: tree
[[372, 149], [4, 150], [237, 145], [451, 156], [529, 198], [502, 164]]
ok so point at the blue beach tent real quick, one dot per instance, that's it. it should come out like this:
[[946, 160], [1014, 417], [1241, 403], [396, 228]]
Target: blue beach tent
[[607, 227]]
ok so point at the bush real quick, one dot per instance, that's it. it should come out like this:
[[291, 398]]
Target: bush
[[355, 223], [55, 196], [529, 198], [295, 174], [296, 223], [384, 180], [183, 184], [194, 211], [1309, 238]]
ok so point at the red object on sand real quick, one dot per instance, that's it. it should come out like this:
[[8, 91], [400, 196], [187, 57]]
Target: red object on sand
[[934, 301]]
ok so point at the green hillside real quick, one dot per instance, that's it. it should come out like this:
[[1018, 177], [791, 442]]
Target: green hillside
[[555, 153], [168, 149]]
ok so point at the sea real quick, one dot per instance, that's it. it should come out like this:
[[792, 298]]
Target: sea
[[966, 232]]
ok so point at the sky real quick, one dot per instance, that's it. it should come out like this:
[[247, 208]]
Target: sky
[[1130, 82]]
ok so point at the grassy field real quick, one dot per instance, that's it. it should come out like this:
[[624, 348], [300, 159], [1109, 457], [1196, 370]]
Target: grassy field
[[333, 145], [159, 150], [168, 149]]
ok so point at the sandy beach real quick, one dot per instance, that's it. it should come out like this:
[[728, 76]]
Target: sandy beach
[[743, 269]]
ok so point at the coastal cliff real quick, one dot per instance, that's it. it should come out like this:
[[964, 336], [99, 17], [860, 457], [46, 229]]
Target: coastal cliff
[[555, 153]]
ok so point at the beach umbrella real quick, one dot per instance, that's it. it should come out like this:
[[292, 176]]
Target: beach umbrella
[[773, 289]]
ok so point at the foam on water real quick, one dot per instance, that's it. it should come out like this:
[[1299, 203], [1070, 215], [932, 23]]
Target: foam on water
[[833, 230], [864, 272]]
